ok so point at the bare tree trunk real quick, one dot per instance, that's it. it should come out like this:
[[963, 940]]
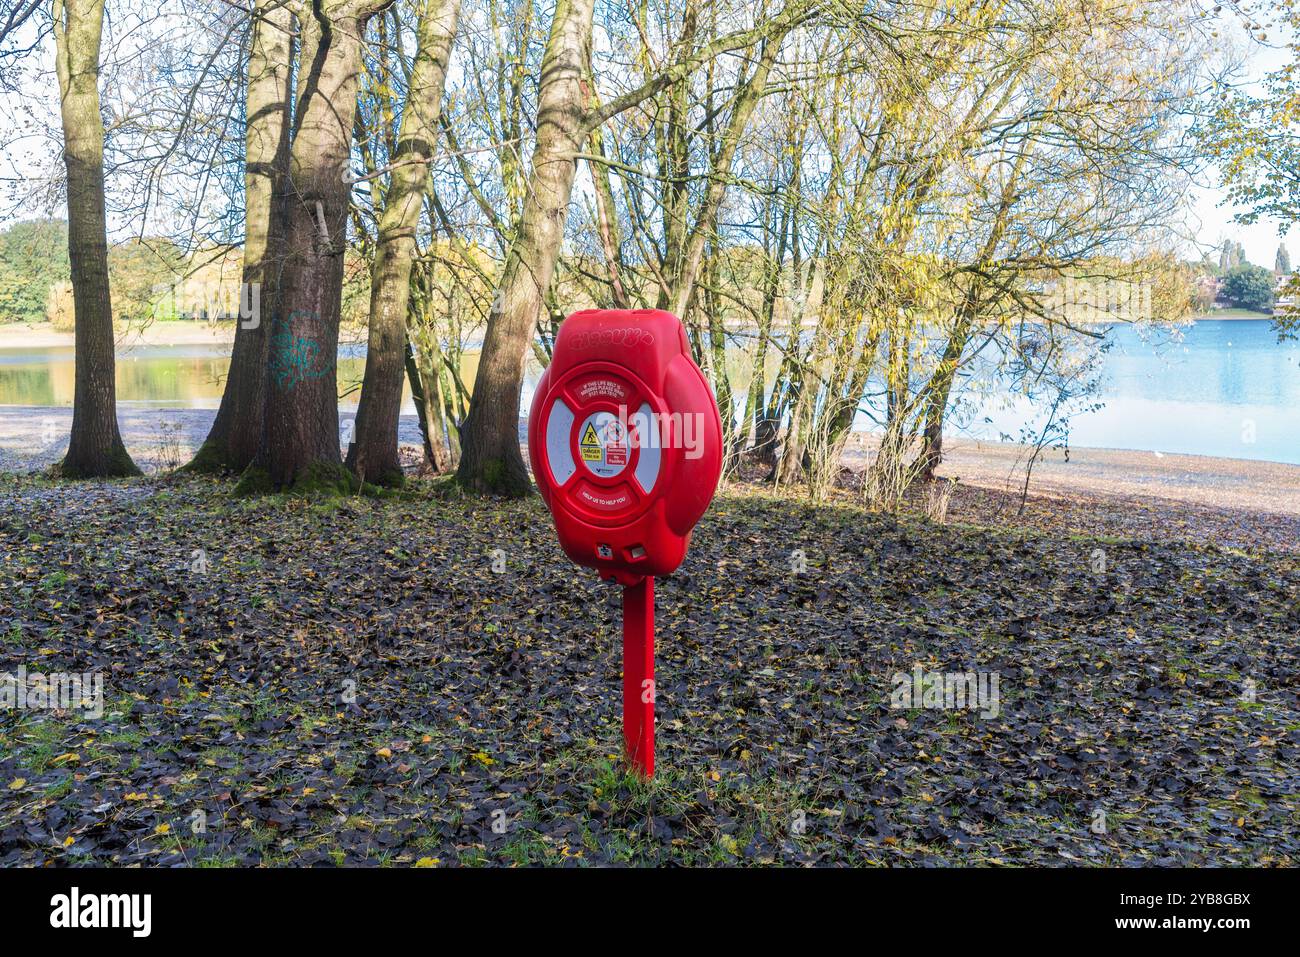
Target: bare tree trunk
[[938, 391], [95, 449], [373, 455], [232, 442], [709, 305], [756, 408], [446, 447], [299, 446], [940, 386], [421, 404], [674, 167], [767, 424], [784, 393], [790, 463], [490, 458]]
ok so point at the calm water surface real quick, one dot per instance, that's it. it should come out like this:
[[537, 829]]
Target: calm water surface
[[1215, 387]]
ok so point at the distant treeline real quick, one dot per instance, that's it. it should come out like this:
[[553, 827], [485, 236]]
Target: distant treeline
[[35, 279], [151, 279], [33, 258]]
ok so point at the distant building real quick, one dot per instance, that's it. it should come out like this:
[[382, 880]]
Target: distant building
[[1208, 290], [1284, 292]]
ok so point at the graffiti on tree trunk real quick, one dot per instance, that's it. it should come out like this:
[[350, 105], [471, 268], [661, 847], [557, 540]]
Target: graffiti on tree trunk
[[294, 358]]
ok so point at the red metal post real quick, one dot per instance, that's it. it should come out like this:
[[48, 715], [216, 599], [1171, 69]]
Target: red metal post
[[639, 675]]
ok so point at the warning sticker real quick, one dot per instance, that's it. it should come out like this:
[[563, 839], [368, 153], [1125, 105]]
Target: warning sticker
[[590, 444], [603, 444], [616, 450]]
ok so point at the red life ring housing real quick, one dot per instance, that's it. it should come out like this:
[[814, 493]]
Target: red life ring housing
[[625, 441]]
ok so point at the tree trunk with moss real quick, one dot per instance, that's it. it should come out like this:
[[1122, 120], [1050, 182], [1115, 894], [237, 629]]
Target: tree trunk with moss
[[299, 447], [373, 456], [490, 458], [233, 440], [95, 449]]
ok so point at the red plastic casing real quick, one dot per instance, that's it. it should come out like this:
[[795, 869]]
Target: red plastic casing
[[621, 365]]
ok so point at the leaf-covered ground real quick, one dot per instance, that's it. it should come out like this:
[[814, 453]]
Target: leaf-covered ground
[[352, 683]]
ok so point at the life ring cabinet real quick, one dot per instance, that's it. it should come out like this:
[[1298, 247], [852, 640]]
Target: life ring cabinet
[[625, 442]]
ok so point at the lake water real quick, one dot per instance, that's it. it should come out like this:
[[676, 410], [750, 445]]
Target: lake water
[[1215, 387], [1218, 387]]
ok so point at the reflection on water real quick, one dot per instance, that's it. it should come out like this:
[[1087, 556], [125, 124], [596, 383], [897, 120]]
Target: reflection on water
[[170, 377], [1216, 387]]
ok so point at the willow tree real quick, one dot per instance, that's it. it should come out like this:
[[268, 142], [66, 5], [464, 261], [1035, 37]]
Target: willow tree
[[567, 114], [1040, 204], [95, 449], [233, 439], [373, 456], [982, 162]]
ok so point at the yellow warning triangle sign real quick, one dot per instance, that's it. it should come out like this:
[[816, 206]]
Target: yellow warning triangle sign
[[589, 437]]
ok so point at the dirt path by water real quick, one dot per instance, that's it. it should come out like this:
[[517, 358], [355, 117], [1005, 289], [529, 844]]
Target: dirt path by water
[[33, 438], [1115, 492], [1232, 502]]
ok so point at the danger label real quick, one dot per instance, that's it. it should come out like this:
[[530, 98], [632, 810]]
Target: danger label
[[589, 445], [603, 444]]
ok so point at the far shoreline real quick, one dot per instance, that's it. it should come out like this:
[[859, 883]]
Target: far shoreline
[[42, 335]]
